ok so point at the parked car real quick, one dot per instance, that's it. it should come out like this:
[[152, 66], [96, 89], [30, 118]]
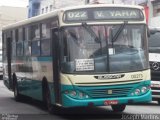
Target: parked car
[[154, 58]]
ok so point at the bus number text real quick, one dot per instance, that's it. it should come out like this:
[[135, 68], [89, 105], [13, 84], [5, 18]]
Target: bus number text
[[137, 76]]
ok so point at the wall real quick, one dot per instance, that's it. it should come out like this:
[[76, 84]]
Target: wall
[[10, 15]]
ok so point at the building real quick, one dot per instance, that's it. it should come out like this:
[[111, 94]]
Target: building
[[49, 5], [37, 7], [34, 8], [131, 2], [46, 6], [10, 15], [154, 6]]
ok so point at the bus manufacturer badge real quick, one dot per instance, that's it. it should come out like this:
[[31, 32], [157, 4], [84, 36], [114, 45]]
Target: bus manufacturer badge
[[104, 77], [109, 91]]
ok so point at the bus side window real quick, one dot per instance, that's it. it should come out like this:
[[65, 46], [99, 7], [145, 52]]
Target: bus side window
[[27, 42], [45, 39], [20, 42], [35, 39], [13, 43]]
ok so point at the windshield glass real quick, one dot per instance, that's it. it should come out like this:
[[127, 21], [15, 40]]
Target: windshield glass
[[154, 42], [94, 49]]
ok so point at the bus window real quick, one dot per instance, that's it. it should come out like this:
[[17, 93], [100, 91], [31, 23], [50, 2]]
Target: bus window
[[34, 32], [20, 34], [20, 49], [45, 40], [27, 48], [19, 44], [35, 39], [13, 36], [16, 35], [45, 30], [13, 43], [45, 47], [35, 48], [25, 34]]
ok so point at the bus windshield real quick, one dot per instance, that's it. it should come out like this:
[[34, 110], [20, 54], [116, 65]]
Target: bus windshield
[[94, 49]]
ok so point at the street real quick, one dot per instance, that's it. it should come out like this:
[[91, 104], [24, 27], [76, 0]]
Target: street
[[32, 110]]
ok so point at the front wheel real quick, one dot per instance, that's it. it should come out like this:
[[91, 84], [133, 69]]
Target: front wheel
[[17, 96], [118, 108], [47, 100]]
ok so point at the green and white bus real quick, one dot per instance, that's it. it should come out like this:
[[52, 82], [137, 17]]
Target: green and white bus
[[91, 55]]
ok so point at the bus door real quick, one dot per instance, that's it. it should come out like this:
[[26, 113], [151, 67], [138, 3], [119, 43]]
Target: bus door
[[8, 42], [55, 57]]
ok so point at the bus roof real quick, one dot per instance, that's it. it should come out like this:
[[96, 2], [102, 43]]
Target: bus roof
[[57, 11]]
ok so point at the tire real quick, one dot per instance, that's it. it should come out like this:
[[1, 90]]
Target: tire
[[118, 108], [17, 96], [47, 99], [159, 102]]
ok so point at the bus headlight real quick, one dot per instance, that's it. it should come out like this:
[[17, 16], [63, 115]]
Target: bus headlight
[[144, 89], [137, 92], [76, 94]]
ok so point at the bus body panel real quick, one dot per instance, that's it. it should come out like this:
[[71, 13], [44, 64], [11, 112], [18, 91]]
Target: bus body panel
[[71, 102], [98, 92]]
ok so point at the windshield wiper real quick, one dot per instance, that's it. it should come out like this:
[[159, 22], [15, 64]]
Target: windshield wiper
[[119, 31], [84, 24]]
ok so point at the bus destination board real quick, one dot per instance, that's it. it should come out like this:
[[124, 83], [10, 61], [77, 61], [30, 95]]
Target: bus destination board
[[98, 14]]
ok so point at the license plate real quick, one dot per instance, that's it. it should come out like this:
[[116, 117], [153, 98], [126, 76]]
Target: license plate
[[111, 102]]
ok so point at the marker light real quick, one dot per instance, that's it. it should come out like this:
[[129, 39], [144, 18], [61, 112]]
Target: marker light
[[137, 92], [73, 93], [143, 89]]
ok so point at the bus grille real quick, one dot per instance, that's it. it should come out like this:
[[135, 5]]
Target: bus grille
[[109, 92]]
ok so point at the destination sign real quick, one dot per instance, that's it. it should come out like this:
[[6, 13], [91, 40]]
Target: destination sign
[[117, 14], [92, 14]]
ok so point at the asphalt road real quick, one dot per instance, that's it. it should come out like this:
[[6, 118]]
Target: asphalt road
[[34, 110]]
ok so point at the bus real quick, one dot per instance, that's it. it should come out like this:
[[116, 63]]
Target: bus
[[89, 55]]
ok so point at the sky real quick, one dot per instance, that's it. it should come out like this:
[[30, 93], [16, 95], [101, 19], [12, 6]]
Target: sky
[[14, 3]]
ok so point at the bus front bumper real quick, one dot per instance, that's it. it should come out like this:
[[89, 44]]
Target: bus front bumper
[[71, 102]]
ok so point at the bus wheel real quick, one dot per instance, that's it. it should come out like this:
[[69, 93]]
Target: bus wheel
[[17, 96], [48, 100], [118, 108]]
